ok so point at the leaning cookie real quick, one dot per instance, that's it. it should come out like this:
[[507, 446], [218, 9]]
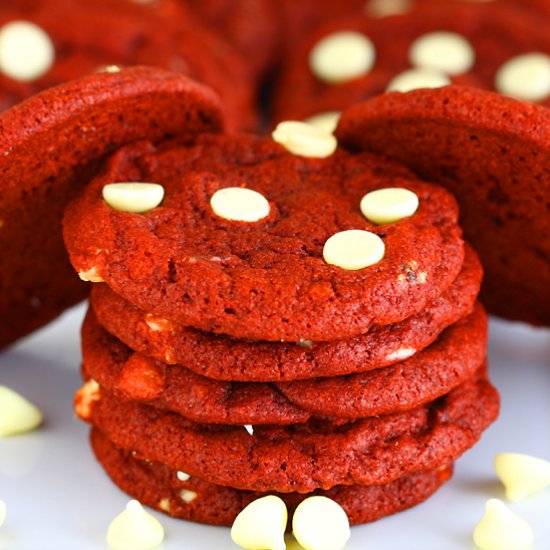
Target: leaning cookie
[[180, 495], [493, 153], [50, 145], [275, 271]]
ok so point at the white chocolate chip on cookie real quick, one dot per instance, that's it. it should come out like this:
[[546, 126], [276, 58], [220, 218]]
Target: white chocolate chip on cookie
[[389, 205], [525, 77], [133, 197], [414, 79], [239, 204], [353, 249], [326, 122], [300, 138]]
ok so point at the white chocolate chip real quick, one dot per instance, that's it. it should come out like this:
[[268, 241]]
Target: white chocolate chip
[[319, 523], [26, 51], [157, 324], [261, 525], [85, 397], [111, 69], [134, 529], [91, 275], [249, 428], [442, 51], [133, 197], [383, 8], [388, 205], [187, 496], [2, 512], [525, 77], [521, 474], [239, 204], [17, 414], [305, 140], [501, 529], [164, 504], [326, 122], [353, 249], [400, 354], [414, 79], [342, 56], [182, 476]]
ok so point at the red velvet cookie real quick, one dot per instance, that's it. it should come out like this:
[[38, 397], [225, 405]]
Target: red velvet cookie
[[154, 484], [86, 36], [494, 32], [493, 154], [430, 373], [303, 457], [50, 146], [266, 279], [226, 358]]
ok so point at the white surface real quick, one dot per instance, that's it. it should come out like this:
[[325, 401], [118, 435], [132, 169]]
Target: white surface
[[58, 497]]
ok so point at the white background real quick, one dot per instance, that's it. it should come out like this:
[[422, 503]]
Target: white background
[[58, 497]]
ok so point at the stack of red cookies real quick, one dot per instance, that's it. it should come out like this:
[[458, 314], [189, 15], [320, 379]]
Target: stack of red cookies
[[230, 353]]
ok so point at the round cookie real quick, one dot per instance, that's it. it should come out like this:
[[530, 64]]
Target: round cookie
[[430, 373], [154, 484], [492, 152], [88, 36], [264, 280], [302, 457], [225, 358], [50, 146], [495, 34]]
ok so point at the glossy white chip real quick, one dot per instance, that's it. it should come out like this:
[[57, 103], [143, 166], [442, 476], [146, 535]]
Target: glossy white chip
[[525, 77], [239, 204], [522, 475], [342, 56], [319, 523], [133, 196], [134, 529], [17, 414], [388, 205], [414, 79], [443, 51], [502, 529], [326, 122], [261, 525], [303, 139], [26, 51], [353, 249]]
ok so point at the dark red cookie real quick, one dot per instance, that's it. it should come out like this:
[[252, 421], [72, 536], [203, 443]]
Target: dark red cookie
[[497, 31], [493, 154], [430, 373], [225, 358], [154, 484], [303, 457], [49, 147], [264, 280], [89, 35]]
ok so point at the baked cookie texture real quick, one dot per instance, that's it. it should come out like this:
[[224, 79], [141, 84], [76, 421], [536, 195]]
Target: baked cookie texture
[[50, 146]]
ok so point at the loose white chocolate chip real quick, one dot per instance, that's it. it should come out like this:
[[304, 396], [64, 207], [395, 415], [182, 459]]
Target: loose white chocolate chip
[[188, 496], [319, 523], [239, 204], [443, 51], [182, 476], [249, 428], [91, 275], [414, 79], [525, 77], [2, 512], [383, 8], [305, 140], [342, 56], [326, 122], [521, 474], [26, 51], [353, 249], [134, 529], [133, 197], [501, 529], [17, 414], [261, 525], [388, 205]]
